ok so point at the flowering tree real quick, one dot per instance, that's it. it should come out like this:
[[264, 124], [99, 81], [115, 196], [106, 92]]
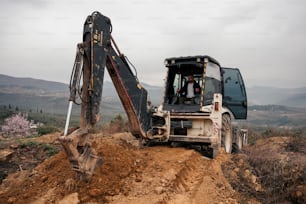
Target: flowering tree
[[17, 125]]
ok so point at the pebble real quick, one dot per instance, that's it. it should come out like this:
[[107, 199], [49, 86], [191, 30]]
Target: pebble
[[246, 173], [159, 190], [253, 179]]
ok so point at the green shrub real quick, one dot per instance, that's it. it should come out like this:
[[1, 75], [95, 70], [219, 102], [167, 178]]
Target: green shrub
[[29, 144], [49, 149], [46, 129]]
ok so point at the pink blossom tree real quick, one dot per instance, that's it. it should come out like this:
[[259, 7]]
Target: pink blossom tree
[[17, 125]]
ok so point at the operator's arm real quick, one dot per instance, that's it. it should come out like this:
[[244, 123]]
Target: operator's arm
[[183, 90], [197, 88]]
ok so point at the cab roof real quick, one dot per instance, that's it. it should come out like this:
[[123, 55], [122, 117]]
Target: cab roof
[[189, 59]]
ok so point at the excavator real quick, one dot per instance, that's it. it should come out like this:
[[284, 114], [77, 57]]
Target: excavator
[[203, 120]]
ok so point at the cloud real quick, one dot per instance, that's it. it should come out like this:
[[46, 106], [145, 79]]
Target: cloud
[[264, 38]]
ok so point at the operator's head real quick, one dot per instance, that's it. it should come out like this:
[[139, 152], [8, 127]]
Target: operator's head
[[190, 77]]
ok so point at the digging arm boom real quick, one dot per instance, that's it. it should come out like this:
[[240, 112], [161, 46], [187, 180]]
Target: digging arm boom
[[102, 51], [94, 54], [99, 53], [132, 95]]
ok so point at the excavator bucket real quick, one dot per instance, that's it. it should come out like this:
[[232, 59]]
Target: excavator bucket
[[88, 162], [82, 157]]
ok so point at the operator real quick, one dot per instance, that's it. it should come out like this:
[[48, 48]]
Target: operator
[[189, 90]]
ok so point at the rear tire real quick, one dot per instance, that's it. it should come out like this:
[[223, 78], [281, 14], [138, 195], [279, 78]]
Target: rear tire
[[226, 134]]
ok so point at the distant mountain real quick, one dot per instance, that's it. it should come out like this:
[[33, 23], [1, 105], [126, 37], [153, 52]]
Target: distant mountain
[[53, 97], [296, 100], [35, 95], [262, 95], [11, 84]]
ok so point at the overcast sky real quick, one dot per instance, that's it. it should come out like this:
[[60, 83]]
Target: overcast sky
[[266, 39]]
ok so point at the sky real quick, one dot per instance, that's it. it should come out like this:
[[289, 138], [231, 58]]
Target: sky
[[265, 39]]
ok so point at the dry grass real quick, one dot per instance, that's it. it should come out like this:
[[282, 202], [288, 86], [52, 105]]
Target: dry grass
[[280, 165]]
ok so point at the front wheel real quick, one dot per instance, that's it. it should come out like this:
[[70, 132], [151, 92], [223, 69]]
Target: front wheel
[[226, 134]]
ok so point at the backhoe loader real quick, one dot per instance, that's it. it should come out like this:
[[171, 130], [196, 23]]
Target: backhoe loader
[[201, 117]]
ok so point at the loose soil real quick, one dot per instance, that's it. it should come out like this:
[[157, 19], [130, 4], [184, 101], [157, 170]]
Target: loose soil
[[130, 174]]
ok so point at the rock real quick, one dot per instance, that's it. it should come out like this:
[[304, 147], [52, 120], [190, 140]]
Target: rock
[[159, 190], [257, 187], [240, 162], [253, 179], [5, 154], [14, 146], [94, 192], [12, 200], [44, 178], [246, 173], [70, 199], [164, 181], [233, 174]]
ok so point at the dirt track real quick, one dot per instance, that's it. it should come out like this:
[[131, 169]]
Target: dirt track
[[130, 174]]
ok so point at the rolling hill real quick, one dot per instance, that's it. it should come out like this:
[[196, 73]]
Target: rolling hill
[[52, 97]]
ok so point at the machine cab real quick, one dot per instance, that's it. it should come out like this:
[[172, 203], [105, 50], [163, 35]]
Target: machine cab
[[191, 83]]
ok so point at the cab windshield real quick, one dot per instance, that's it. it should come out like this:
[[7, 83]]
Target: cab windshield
[[188, 87]]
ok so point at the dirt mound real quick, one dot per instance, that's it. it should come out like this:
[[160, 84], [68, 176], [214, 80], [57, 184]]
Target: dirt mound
[[55, 178], [268, 172], [128, 175]]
